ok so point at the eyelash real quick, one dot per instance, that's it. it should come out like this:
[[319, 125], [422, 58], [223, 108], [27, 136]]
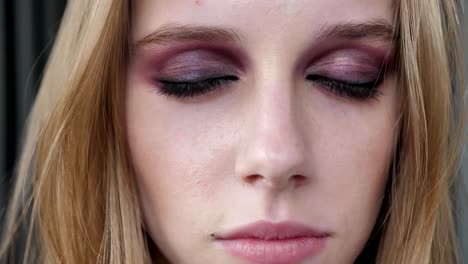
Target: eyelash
[[188, 89], [358, 91]]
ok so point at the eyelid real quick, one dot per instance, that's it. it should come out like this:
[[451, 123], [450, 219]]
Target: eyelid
[[198, 80], [195, 75], [196, 65], [348, 57], [159, 58], [348, 65]]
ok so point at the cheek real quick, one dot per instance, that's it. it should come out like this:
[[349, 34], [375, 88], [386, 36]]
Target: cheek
[[355, 164], [352, 152], [179, 157]]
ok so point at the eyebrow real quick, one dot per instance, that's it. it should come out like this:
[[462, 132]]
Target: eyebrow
[[184, 33], [377, 29]]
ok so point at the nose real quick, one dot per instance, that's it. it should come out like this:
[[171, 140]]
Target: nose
[[271, 153]]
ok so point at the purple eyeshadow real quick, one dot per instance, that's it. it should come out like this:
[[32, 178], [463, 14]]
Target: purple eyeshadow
[[353, 66], [195, 65]]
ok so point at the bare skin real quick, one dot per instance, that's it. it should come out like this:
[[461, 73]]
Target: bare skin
[[299, 124]]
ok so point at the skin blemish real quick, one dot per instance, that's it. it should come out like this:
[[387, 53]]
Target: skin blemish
[[198, 2]]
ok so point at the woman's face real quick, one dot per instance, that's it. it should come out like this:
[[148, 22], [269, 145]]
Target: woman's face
[[261, 131]]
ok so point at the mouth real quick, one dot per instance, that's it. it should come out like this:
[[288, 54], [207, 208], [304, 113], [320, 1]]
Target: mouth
[[273, 243]]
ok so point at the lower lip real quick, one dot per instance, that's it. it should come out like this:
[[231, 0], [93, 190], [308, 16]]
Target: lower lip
[[284, 251]]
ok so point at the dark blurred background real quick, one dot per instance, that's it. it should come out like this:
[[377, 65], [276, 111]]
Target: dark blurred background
[[27, 30]]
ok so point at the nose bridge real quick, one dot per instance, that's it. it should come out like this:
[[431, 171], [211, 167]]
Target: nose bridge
[[272, 150]]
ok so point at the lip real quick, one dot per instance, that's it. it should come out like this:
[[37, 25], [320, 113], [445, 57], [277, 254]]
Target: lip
[[265, 242]]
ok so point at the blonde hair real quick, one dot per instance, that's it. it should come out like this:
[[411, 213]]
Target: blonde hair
[[76, 189]]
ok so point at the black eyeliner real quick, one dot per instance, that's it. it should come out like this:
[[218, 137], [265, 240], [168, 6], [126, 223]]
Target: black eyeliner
[[359, 91], [192, 88]]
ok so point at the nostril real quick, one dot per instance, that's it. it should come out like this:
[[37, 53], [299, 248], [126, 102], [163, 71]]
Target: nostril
[[298, 179], [295, 180], [253, 178]]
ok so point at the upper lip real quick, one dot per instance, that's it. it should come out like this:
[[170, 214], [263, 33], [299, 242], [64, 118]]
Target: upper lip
[[272, 231]]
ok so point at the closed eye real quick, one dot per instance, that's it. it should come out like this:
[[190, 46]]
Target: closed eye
[[186, 89], [359, 91]]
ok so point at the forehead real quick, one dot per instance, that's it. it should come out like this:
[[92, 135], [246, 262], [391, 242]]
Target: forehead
[[257, 17]]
